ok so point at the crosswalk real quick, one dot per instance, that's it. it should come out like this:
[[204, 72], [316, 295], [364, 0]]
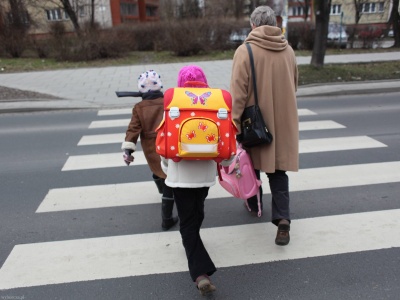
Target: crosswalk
[[88, 259]]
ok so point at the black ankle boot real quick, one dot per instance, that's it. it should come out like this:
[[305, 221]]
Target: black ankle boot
[[167, 207]]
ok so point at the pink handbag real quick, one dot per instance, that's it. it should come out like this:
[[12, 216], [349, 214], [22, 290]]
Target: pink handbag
[[239, 178]]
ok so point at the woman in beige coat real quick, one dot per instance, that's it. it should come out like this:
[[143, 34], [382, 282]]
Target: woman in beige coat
[[276, 78]]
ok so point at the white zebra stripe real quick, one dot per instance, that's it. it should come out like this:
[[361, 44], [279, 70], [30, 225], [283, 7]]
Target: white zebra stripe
[[319, 125], [137, 193], [100, 139], [119, 137], [308, 125], [114, 112], [110, 160], [159, 253], [128, 111]]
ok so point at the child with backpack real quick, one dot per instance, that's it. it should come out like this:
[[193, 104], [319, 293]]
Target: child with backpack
[[190, 181], [146, 115]]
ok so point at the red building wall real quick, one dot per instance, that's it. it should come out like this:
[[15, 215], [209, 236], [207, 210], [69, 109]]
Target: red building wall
[[141, 16]]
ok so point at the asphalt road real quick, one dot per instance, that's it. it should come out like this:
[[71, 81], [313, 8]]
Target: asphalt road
[[76, 223]]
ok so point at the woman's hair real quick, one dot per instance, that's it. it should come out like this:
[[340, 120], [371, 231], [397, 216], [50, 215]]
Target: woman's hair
[[191, 73], [263, 15]]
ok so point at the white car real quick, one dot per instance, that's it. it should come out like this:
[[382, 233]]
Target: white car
[[337, 35], [238, 37]]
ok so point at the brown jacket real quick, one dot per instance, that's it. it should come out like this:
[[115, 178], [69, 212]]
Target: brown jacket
[[146, 116], [276, 75]]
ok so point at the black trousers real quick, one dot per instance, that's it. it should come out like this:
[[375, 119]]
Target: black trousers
[[279, 185], [190, 205]]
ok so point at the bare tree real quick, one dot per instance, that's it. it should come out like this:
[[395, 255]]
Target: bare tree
[[71, 7], [322, 11], [225, 8], [66, 4], [238, 8], [15, 23], [395, 21], [305, 4], [92, 6], [358, 6]]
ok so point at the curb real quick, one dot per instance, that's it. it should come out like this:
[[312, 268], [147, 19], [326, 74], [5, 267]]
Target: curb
[[308, 91]]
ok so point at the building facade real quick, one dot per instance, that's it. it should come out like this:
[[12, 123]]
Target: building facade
[[369, 12], [106, 13], [110, 13]]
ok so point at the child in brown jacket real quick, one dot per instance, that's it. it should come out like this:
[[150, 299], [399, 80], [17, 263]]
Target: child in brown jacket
[[146, 116]]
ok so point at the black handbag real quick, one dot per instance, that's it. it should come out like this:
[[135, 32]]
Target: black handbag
[[254, 132]]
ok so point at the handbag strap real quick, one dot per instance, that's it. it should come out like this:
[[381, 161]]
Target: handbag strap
[[253, 72]]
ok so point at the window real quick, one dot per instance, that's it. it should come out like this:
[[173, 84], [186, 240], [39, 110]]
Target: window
[[24, 18], [54, 14], [297, 11], [336, 9], [151, 11], [82, 10], [373, 7], [129, 9]]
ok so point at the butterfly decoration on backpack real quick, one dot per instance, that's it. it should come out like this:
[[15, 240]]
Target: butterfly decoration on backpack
[[195, 98]]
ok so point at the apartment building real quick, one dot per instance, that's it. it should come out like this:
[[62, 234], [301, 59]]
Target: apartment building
[[109, 13], [369, 12], [106, 13]]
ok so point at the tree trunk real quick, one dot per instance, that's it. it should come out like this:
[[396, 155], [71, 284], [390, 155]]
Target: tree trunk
[[17, 10], [395, 21], [321, 32], [306, 9], [92, 15], [72, 15], [238, 9]]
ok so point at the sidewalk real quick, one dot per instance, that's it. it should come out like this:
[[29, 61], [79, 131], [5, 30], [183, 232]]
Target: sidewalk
[[95, 87]]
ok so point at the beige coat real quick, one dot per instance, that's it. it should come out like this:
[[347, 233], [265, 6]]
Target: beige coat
[[146, 116], [276, 74]]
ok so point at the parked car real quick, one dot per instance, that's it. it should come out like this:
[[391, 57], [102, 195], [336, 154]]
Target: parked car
[[237, 37], [390, 33], [337, 36]]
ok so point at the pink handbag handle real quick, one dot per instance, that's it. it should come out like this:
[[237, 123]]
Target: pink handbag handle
[[231, 168]]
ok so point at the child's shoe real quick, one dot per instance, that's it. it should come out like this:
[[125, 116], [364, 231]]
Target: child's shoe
[[204, 285]]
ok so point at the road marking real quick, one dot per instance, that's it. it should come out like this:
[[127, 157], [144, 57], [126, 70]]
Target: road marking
[[100, 139], [110, 123], [113, 112], [159, 253], [305, 112], [314, 125], [98, 161], [128, 111], [87, 197], [111, 160], [119, 137], [338, 143], [319, 125]]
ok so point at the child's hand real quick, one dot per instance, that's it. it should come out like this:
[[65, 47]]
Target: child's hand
[[128, 158]]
